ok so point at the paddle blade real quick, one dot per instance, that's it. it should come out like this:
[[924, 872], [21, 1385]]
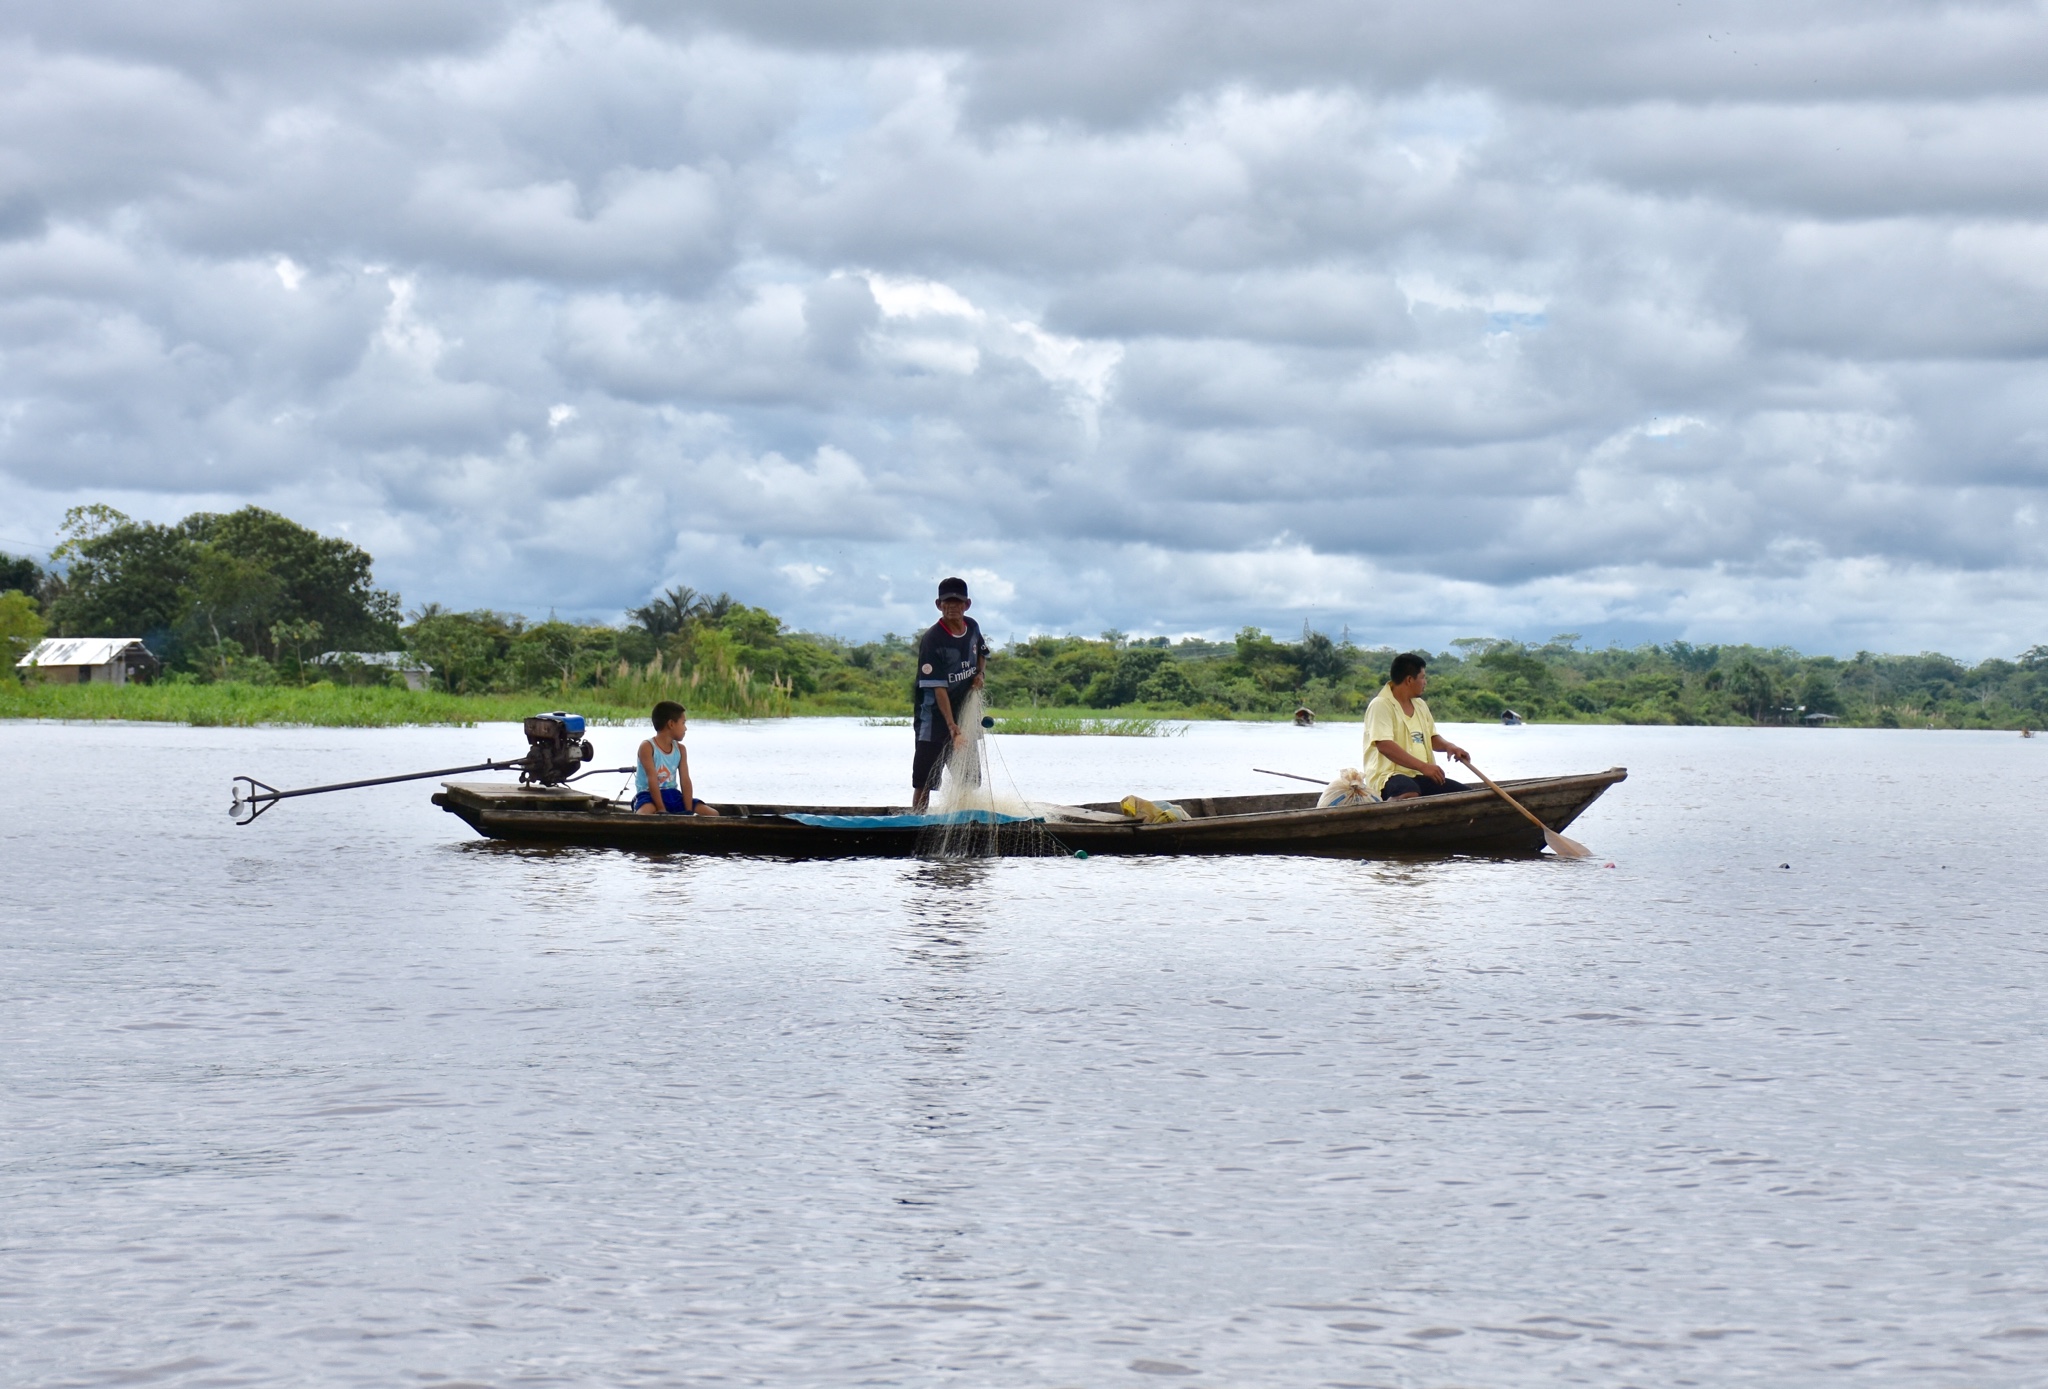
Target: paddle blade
[[1565, 848]]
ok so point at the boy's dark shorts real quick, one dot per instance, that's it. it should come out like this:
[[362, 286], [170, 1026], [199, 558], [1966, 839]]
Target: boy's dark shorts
[[671, 800], [1421, 785], [926, 762]]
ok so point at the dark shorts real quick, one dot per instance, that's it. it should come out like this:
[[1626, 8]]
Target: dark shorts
[[927, 762], [1421, 785], [671, 800]]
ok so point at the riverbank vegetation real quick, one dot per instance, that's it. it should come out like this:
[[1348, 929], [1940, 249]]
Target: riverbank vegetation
[[1742, 686], [233, 704], [241, 607]]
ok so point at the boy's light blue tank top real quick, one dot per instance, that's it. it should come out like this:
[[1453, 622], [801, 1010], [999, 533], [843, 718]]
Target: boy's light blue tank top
[[672, 761]]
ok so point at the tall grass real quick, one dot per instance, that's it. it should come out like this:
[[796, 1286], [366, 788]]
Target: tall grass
[[624, 697], [715, 685], [323, 706]]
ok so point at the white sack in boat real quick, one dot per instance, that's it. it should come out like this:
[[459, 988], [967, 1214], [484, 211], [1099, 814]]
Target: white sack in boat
[[1348, 789]]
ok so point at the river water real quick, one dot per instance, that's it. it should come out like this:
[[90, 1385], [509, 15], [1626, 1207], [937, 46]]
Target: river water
[[351, 1097]]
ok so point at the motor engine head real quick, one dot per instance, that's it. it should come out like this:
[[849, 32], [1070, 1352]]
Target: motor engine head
[[555, 748]]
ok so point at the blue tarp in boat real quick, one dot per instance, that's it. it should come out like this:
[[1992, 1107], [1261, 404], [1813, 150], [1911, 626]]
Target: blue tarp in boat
[[913, 822]]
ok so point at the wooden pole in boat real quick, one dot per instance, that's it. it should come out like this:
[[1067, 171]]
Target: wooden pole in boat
[[1559, 845]]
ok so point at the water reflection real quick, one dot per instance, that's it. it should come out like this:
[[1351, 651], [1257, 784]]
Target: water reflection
[[948, 905], [406, 1105], [943, 1117], [947, 909]]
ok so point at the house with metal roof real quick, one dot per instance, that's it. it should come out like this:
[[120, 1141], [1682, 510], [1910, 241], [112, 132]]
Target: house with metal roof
[[91, 660], [411, 667]]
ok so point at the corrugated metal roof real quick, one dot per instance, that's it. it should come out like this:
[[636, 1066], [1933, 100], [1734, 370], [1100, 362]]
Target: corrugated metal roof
[[394, 660], [78, 651]]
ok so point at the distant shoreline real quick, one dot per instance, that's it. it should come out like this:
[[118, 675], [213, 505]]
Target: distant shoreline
[[331, 706]]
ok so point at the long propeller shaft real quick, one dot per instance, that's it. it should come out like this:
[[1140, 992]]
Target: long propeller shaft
[[260, 795]]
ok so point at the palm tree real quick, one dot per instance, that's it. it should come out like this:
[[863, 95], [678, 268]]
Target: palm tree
[[670, 613], [1756, 694]]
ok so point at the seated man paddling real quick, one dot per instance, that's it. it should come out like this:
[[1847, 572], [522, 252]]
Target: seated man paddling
[[1401, 741]]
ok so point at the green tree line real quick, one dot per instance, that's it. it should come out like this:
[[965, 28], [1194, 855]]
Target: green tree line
[[250, 597], [1554, 682], [235, 596]]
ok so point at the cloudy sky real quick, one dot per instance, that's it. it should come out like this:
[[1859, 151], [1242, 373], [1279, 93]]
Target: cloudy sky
[[1642, 320]]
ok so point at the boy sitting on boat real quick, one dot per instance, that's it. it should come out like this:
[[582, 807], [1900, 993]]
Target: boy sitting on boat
[[661, 771], [1401, 741]]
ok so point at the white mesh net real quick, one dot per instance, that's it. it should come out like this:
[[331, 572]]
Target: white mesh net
[[980, 819]]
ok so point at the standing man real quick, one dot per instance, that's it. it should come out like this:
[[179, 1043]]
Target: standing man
[[950, 659], [1401, 741]]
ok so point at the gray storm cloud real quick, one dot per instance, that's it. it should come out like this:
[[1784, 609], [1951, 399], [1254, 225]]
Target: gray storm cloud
[[1483, 318]]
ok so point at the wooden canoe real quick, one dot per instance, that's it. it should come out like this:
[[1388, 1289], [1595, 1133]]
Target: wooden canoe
[[1463, 822]]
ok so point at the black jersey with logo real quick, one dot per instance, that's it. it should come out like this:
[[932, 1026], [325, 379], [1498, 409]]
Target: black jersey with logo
[[949, 663]]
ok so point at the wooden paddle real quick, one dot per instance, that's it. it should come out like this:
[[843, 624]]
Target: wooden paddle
[[1559, 845]]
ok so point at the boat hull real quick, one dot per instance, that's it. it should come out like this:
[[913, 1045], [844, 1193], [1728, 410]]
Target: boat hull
[[1466, 822]]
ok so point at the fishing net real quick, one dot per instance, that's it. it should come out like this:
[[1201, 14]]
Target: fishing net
[[972, 817]]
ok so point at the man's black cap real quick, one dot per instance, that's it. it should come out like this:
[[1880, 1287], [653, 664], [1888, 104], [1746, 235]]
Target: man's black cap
[[952, 588]]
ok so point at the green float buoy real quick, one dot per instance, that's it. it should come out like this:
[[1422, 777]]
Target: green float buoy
[[1080, 853]]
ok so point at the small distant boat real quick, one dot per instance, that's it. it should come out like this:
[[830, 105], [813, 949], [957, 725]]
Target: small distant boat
[[1463, 822], [1509, 718]]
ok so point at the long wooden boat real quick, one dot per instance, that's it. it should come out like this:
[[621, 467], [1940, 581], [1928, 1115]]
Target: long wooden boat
[[1463, 822]]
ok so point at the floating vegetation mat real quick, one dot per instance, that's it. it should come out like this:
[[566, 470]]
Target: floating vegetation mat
[[1074, 726]]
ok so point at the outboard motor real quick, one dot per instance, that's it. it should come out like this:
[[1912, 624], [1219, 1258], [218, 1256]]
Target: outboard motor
[[555, 748], [555, 753]]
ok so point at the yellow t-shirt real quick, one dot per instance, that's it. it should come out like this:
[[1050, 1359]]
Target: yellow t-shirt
[[1414, 734]]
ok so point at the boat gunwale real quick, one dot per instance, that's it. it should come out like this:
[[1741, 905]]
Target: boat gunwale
[[591, 804], [1378, 829], [1449, 799]]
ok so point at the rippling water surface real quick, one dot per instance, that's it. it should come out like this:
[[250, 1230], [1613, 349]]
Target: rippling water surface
[[350, 1096]]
